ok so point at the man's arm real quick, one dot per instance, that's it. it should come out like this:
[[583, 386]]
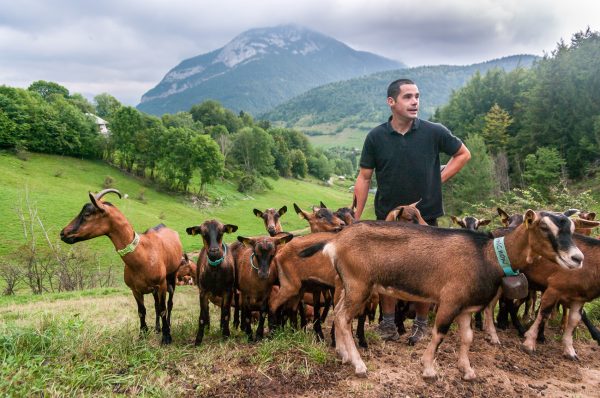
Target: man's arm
[[361, 190], [456, 162]]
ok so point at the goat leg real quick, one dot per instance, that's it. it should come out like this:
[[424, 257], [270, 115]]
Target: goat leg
[[593, 330], [171, 283], [139, 299], [574, 318], [360, 329], [478, 320], [317, 317], [166, 327], [225, 313], [202, 318], [156, 310]]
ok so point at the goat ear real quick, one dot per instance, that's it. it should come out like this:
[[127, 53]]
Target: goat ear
[[248, 242], [454, 219], [581, 223], [284, 239], [322, 205], [282, 211], [399, 214], [503, 215], [301, 212], [257, 213], [529, 218], [97, 204], [193, 230], [484, 222], [229, 228], [591, 216], [570, 212]]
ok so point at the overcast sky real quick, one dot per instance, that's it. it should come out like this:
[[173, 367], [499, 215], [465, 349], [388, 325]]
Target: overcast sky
[[125, 47]]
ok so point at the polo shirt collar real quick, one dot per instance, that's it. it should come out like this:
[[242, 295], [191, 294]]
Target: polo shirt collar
[[415, 125]]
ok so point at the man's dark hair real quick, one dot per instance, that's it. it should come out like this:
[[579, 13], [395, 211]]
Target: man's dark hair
[[394, 87]]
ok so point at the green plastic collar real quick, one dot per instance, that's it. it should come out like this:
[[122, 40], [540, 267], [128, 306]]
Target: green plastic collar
[[130, 247], [502, 257], [219, 261]]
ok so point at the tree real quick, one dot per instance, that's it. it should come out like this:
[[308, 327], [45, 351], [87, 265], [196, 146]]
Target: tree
[[106, 106], [252, 148], [497, 121], [208, 159], [475, 182], [46, 89], [212, 113], [543, 169], [298, 165]]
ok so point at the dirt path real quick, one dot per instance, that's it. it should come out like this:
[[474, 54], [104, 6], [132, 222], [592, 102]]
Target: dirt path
[[395, 371]]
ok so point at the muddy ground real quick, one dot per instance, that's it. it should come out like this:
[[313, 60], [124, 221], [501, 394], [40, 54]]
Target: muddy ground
[[395, 371]]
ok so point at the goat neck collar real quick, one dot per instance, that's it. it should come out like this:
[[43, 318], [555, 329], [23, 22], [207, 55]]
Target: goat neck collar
[[219, 261], [502, 257], [130, 247]]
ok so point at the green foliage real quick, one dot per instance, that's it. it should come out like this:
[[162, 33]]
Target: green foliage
[[475, 183], [106, 106], [252, 151], [543, 169], [497, 121], [319, 166], [298, 165], [46, 89], [212, 113], [251, 183]]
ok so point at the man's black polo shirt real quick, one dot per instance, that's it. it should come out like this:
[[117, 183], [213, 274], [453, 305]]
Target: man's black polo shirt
[[407, 167]]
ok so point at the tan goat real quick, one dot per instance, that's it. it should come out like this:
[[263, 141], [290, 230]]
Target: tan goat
[[457, 269], [151, 259]]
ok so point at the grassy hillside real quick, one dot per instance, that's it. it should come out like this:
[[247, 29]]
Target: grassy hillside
[[58, 188]]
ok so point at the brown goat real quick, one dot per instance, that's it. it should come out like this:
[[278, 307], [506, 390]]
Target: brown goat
[[271, 219], [470, 222], [151, 259], [186, 275], [215, 273], [255, 276], [463, 276], [573, 288], [321, 219]]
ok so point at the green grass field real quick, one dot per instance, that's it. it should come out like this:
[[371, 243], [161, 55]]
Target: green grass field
[[57, 187]]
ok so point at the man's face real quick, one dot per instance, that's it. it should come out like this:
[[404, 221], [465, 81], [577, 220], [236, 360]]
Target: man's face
[[406, 105]]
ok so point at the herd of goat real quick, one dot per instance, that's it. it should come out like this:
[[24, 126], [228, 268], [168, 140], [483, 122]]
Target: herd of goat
[[278, 277]]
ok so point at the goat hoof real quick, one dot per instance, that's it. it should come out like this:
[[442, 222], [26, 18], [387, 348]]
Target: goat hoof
[[541, 339], [469, 376], [363, 344], [166, 340], [572, 357], [429, 374], [197, 342], [360, 370], [528, 349]]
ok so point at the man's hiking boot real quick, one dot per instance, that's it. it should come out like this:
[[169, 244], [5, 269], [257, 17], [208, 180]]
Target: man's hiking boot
[[419, 330], [388, 332]]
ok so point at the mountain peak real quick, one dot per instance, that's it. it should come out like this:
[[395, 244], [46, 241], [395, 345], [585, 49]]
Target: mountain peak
[[260, 68]]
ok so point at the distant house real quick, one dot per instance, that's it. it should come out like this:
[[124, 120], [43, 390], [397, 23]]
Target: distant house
[[101, 123]]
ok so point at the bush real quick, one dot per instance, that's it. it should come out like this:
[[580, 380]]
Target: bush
[[251, 183], [109, 182]]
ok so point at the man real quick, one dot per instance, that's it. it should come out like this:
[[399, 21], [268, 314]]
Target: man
[[404, 153]]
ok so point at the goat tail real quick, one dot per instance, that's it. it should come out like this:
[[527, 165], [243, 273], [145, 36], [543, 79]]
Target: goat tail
[[312, 249]]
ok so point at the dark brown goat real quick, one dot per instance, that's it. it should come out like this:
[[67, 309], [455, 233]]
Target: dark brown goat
[[271, 219], [255, 276], [151, 259], [464, 275], [215, 273]]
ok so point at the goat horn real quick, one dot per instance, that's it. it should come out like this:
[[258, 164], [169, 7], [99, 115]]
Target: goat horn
[[100, 194]]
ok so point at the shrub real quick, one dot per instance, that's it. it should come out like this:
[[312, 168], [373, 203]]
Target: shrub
[[109, 182]]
